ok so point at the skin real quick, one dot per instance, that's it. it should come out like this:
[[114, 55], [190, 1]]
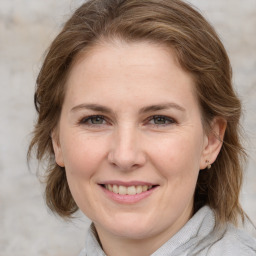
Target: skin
[[118, 82]]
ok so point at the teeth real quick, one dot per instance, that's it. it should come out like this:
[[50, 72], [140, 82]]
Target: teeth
[[122, 190], [131, 190], [138, 189], [115, 189], [109, 187], [144, 188]]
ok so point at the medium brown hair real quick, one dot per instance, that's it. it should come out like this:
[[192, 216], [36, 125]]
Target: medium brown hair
[[198, 50]]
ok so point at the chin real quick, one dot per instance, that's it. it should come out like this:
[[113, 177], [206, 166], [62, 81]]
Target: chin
[[132, 229]]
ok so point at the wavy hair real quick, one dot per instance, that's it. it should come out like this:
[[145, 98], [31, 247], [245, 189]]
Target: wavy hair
[[199, 51]]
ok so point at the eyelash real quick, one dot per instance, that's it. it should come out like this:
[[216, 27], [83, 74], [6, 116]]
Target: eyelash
[[88, 120], [164, 118]]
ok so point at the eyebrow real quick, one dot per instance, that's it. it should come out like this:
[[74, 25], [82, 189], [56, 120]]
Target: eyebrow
[[164, 106], [151, 108], [95, 107]]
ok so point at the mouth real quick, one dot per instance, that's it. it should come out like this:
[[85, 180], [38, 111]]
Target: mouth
[[128, 190]]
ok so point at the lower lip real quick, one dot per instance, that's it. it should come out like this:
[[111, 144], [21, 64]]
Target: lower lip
[[128, 199]]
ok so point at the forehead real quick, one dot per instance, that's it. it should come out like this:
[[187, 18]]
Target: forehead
[[131, 69], [125, 53]]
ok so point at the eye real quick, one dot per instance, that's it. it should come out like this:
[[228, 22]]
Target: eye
[[161, 120], [93, 120]]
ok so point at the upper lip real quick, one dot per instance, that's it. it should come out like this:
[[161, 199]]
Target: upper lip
[[127, 183]]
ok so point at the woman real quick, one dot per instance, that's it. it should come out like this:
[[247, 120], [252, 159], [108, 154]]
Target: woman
[[139, 123]]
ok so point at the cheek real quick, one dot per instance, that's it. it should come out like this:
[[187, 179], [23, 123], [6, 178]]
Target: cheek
[[82, 161], [177, 156], [82, 155]]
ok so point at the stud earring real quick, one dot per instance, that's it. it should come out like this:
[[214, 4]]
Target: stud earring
[[208, 164]]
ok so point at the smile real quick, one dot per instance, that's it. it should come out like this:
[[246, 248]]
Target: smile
[[130, 190]]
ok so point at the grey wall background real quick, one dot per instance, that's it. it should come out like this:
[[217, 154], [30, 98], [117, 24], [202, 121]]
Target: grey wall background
[[26, 29]]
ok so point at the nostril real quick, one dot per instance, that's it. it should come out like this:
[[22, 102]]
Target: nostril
[[126, 161]]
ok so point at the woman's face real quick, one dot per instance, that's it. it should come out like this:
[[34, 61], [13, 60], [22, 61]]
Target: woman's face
[[131, 140]]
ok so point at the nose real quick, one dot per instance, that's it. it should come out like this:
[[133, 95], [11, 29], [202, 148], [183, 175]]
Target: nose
[[126, 150]]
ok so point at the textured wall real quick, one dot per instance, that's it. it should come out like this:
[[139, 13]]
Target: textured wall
[[26, 28]]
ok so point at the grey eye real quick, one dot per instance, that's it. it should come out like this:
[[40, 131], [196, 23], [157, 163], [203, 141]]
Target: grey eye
[[93, 120], [158, 120], [97, 120]]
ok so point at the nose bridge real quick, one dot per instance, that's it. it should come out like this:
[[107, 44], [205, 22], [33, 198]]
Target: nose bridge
[[126, 151]]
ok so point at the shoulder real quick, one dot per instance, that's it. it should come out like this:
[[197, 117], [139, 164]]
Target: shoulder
[[235, 242]]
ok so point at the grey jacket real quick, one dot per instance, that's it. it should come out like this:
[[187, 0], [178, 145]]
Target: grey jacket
[[197, 238]]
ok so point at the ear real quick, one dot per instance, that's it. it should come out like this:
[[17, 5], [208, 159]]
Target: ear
[[57, 149], [213, 142]]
